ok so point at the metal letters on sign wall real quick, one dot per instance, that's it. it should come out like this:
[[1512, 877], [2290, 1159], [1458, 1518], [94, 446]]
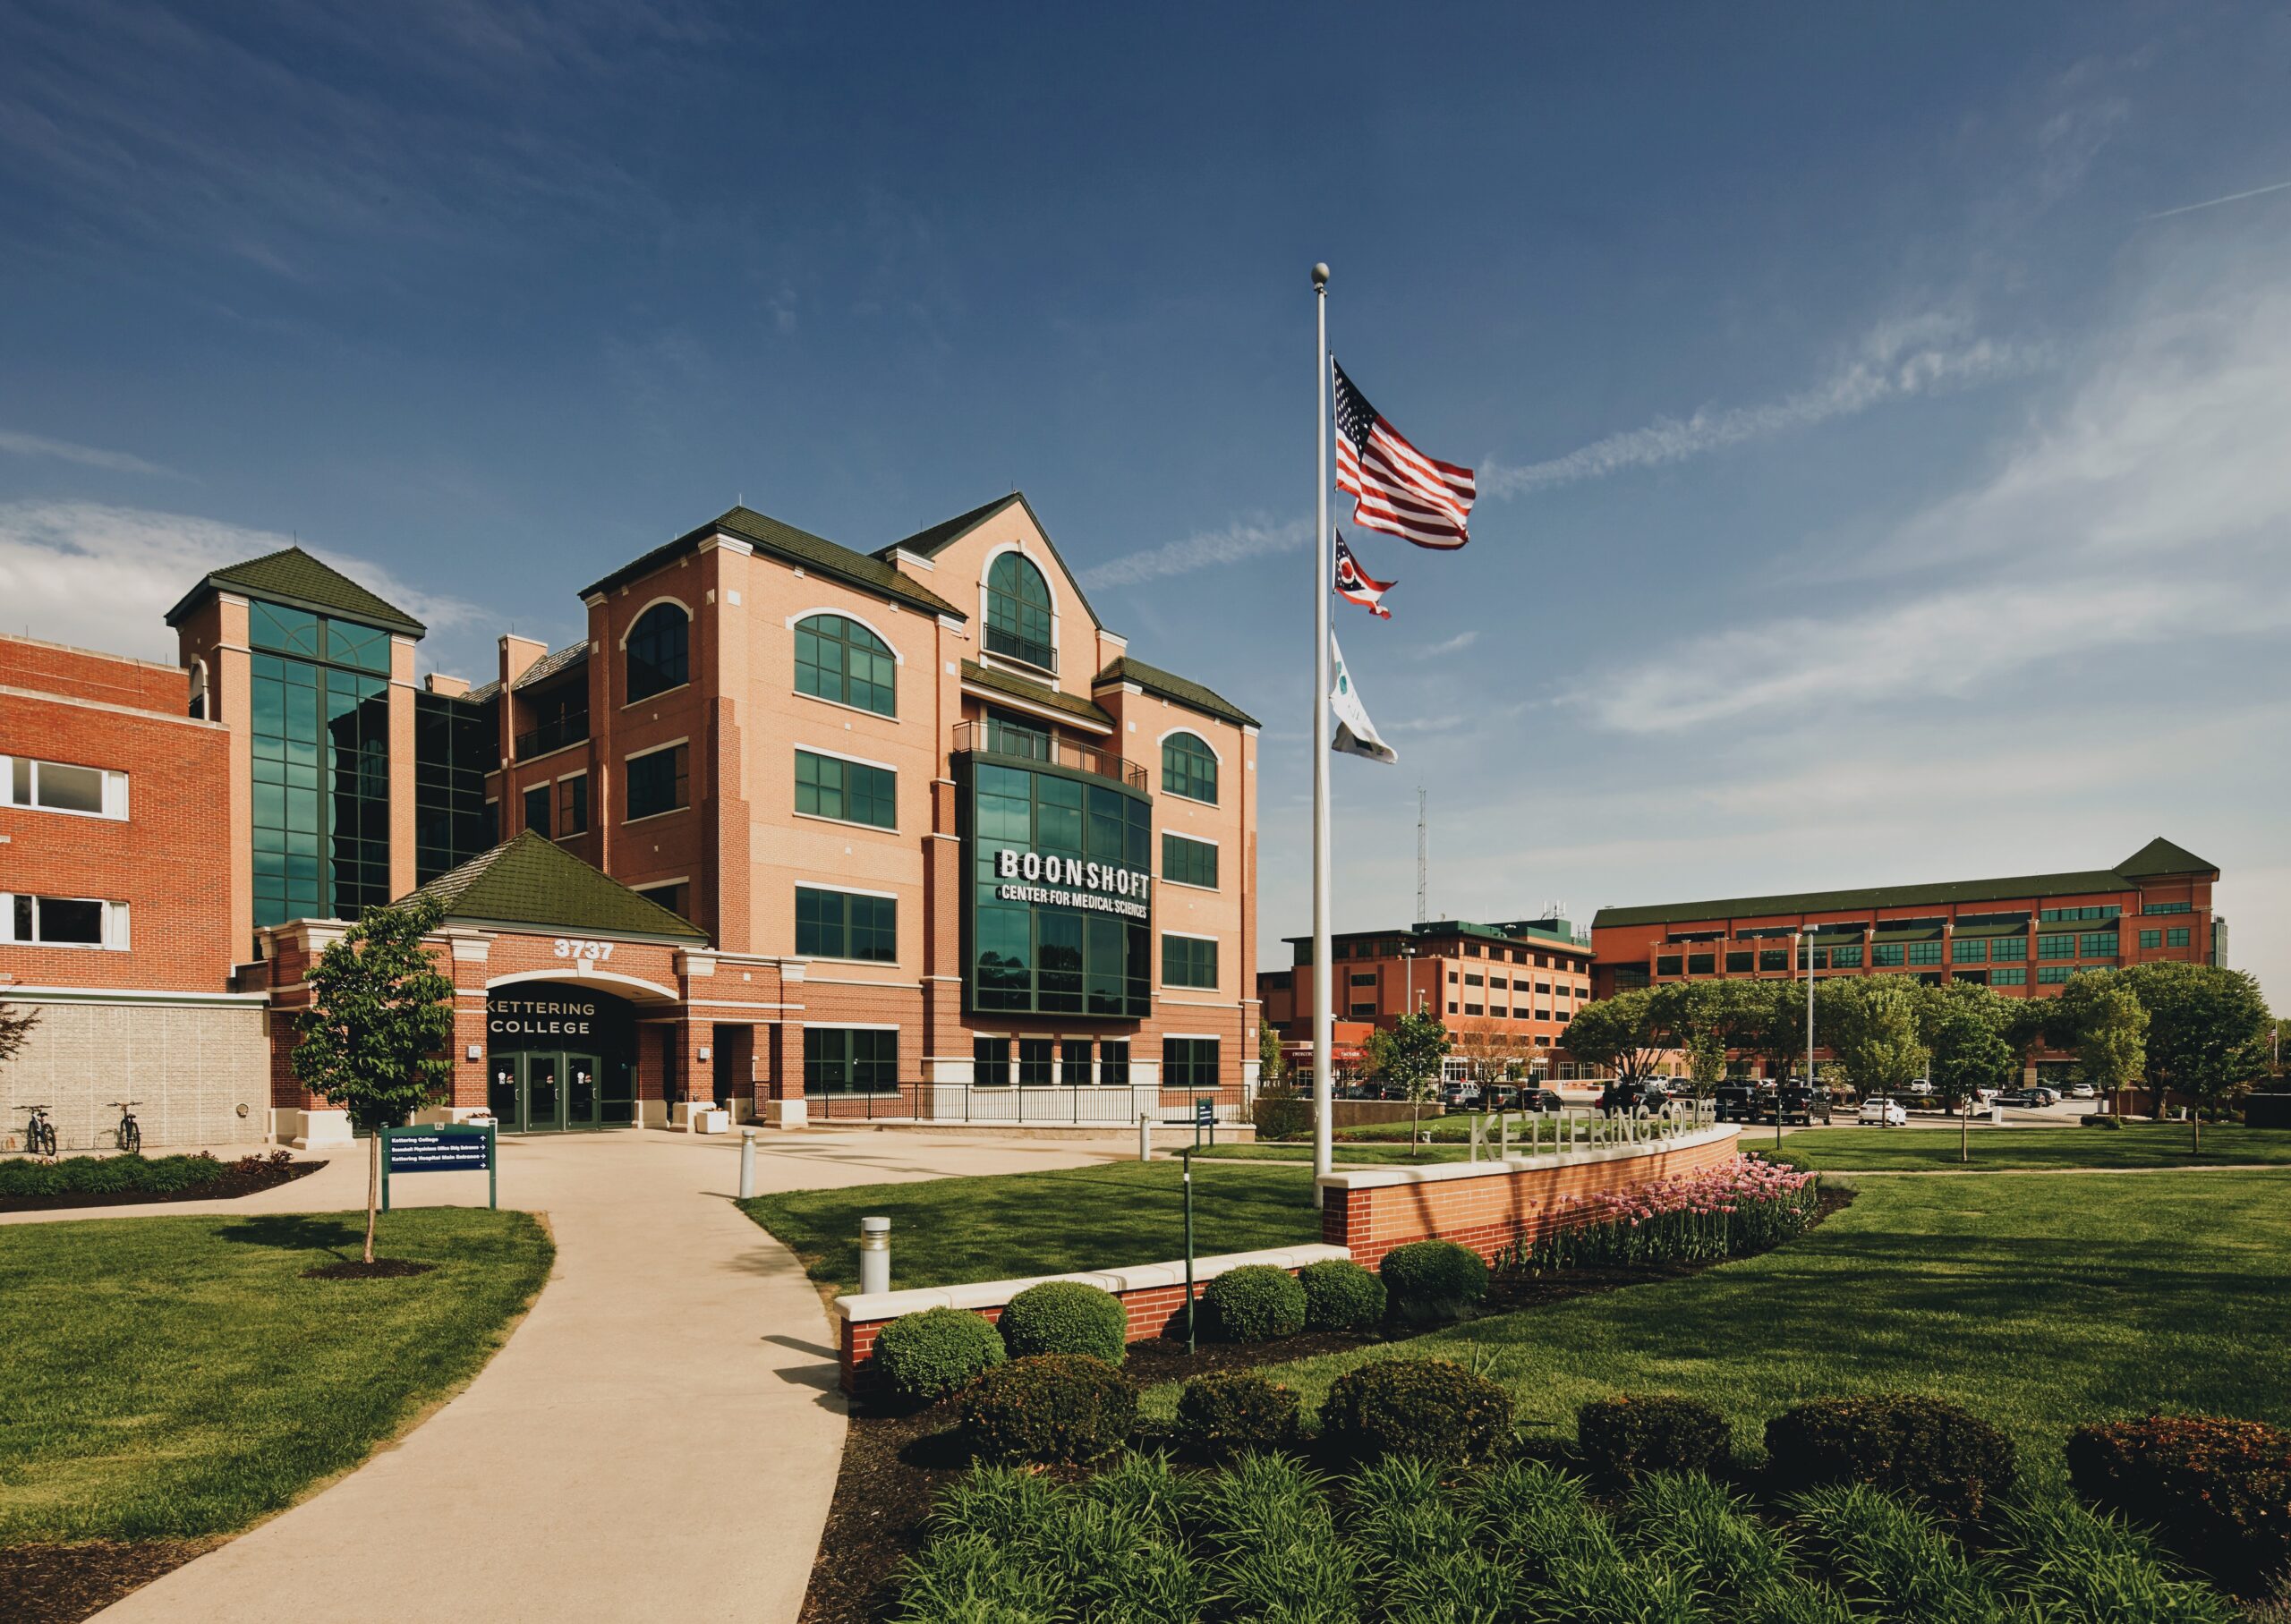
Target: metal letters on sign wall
[[1068, 882]]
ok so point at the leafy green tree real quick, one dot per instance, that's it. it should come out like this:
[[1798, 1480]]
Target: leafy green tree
[[1272, 1075], [1624, 1034], [1408, 1054], [15, 1029], [2207, 1033], [1700, 1019], [1871, 1022], [374, 1039], [1966, 1033], [2112, 1038], [1769, 1020]]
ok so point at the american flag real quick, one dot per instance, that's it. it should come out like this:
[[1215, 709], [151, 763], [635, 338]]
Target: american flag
[[1357, 585], [1395, 488]]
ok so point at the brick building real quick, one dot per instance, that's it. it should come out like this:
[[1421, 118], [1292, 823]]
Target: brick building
[[793, 828], [114, 905], [1504, 991], [2025, 937]]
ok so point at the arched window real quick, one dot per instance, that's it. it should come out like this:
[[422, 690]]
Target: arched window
[[1188, 769], [658, 647], [840, 659], [1017, 612], [199, 689]]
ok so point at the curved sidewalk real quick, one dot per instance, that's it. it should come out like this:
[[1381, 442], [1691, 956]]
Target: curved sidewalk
[[660, 1438]]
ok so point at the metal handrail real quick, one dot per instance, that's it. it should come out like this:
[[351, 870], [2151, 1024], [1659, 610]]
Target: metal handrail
[[985, 738], [571, 728]]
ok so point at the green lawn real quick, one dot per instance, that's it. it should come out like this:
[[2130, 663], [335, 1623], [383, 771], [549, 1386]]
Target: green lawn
[[2141, 1145], [171, 1377], [2038, 1303], [1348, 1154], [946, 1231]]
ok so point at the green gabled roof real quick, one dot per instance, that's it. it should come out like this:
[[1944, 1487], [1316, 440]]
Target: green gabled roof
[[2160, 856], [2016, 889], [785, 542], [1177, 690], [1018, 687], [930, 543], [530, 882], [295, 578]]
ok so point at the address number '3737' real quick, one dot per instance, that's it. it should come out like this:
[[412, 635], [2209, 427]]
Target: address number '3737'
[[573, 946]]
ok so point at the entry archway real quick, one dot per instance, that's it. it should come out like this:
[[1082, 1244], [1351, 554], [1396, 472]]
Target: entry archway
[[560, 1056]]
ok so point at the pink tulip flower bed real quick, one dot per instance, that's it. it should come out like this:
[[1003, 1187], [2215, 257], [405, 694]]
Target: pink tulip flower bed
[[1745, 1205]]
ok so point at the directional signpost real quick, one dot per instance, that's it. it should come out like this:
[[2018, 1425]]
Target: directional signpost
[[441, 1150]]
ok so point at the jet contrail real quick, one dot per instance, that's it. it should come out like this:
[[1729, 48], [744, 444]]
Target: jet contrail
[[2233, 197]]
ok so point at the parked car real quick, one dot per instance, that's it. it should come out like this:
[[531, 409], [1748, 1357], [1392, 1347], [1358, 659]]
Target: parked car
[[2082, 1090], [1460, 1096], [1633, 1098], [1922, 1087], [2021, 1097], [1736, 1103], [1794, 1102], [1883, 1112], [2045, 1096], [1539, 1100]]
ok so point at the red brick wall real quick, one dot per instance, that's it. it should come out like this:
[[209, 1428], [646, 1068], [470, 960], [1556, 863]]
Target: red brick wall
[[1494, 1210], [168, 860]]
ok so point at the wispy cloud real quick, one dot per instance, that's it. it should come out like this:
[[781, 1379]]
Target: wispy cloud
[[104, 576], [1205, 550], [2233, 197], [1449, 645], [87, 456], [1923, 355]]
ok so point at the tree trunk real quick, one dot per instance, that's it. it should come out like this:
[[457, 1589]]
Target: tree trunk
[[1965, 1130], [1415, 1123], [2194, 1131], [373, 1187]]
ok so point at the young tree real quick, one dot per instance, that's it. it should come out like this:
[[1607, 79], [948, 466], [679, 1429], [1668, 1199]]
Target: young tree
[[1272, 1076], [2207, 1033], [2111, 1039], [1969, 1053], [1770, 1021], [374, 1038], [1701, 1019], [1408, 1055], [13, 1030], [1872, 1026], [1624, 1033]]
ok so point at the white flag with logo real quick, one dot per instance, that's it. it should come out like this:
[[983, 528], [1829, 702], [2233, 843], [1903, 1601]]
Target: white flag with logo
[[1356, 735]]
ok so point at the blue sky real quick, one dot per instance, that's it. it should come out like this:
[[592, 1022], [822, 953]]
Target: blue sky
[[1884, 425]]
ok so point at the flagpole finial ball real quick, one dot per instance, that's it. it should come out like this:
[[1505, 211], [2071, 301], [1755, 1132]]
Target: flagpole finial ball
[[1320, 274]]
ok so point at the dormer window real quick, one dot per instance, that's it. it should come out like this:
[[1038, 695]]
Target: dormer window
[[1019, 624]]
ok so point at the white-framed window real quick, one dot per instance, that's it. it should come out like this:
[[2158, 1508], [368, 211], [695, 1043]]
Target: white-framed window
[[27, 920], [85, 792]]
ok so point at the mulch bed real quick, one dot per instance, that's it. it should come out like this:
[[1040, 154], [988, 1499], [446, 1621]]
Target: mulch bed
[[358, 1269], [64, 1583], [244, 1177], [895, 1462]]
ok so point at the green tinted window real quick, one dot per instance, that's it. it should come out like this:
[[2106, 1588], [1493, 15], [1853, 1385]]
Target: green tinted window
[[1017, 612], [1189, 1063], [1188, 862], [1189, 768], [2177, 937], [843, 924], [1845, 958], [828, 786], [1925, 953], [2056, 946], [837, 659], [1887, 953], [2009, 947], [2009, 975], [1974, 952], [2097, 944], [850, 1060], [1189, 961]]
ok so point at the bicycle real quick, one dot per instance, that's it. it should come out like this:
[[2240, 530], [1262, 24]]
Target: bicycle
[[129, 1133], [39, 1133]]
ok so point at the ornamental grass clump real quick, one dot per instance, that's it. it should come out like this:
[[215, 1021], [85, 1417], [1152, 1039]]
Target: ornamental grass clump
[[1231, 1413], [1926, 1448], [1047, 1408], [1265, 1525], [1065, 1317], [2218, 1491], [1746, 1205], [1429, 1408], [1427, 1282], [1255, 1302], [1340, 1296], [923, 1357], [1620, 1438]]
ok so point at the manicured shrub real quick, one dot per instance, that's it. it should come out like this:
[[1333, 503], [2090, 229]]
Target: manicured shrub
[[1955, 1462], [108, 1174], [923, 1357], [1255, 1302], [1047, 1408], [2095, 1119], [1065, 1316], [2218, 1491], [1340, 1295], [1282, 1116], [1430, 1408], [1427, 1281], [1625, 1436], [1233, 1412]]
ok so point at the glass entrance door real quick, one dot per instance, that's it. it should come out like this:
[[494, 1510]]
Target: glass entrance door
[[545, 1092], [581, 1090]]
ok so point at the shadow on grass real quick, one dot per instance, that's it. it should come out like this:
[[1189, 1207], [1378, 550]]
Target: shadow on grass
[[297, 1232]]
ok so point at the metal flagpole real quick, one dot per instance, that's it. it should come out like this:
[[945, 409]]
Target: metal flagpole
[[1324, 1094]]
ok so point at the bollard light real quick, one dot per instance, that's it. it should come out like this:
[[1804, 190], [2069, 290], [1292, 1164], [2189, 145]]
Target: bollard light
[[747, 1164], [874, 1254]]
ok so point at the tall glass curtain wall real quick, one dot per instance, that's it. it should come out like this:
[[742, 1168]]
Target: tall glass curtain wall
[[1053, 960], [320, 695], [455, 746]]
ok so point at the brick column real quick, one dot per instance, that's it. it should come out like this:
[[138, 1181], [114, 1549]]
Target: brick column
[[787, 1108]]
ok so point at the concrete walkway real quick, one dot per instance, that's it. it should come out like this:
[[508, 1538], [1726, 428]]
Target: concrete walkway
[[660, 1437]]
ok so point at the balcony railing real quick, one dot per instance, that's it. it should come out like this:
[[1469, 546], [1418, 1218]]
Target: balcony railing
[[1012, 743], [555, 734], [1011, 646]]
